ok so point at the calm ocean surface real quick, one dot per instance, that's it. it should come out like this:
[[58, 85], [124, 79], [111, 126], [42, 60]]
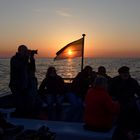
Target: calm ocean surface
[[69, 68]]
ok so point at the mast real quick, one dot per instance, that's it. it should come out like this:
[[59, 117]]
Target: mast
[[82, 59]]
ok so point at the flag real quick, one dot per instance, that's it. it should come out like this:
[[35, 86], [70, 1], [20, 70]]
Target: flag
[[71, 50]]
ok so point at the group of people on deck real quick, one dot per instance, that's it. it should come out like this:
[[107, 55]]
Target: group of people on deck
[[94, 97]]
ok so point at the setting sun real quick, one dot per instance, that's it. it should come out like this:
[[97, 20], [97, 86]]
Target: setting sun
[[70, 52]]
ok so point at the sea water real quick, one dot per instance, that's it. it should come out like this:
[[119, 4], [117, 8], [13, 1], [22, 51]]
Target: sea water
[[69, 68]]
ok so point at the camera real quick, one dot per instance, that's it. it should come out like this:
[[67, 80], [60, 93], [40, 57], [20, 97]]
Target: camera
[[32, 52]]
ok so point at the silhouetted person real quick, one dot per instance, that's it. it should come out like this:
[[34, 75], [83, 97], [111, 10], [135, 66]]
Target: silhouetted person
[[52, 89], [102, 72], [82, 82], [100, 109], [124, 88], [78, 90], [22, 68]]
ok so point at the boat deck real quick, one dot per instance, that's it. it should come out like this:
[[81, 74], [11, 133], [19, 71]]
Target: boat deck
[[64, 130]]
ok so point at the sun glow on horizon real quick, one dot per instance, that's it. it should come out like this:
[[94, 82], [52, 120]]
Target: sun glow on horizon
[[70, 52], [108, 34]]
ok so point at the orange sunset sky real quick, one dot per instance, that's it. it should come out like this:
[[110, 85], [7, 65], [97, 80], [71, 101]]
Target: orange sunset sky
[[112, 27]]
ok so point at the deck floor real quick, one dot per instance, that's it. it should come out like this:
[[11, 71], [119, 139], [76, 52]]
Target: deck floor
[[64, 130]]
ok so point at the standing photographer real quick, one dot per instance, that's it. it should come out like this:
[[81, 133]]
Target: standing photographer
[[22, 68]]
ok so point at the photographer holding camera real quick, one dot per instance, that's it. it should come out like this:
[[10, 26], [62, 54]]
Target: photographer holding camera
[[22, 79]]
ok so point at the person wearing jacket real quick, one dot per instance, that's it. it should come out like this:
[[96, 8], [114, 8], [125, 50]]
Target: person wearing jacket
[[100, 110], [125, 89], [22, 66], [52, 89]]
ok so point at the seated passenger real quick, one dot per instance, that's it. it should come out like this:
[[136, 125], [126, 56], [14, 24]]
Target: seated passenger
[[125, 89], [102, 72], [52, 88], [100, 109], [78, 90], [81, 83]]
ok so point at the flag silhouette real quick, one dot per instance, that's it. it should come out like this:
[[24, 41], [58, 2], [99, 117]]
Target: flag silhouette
[[71, 50]]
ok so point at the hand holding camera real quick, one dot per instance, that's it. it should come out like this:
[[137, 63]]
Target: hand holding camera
[[32, 52]]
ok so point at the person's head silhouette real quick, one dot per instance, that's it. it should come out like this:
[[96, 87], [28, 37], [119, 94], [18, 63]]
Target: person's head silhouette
[[22, 50]]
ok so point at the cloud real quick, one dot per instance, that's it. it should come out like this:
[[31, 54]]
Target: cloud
[[64, 13]]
